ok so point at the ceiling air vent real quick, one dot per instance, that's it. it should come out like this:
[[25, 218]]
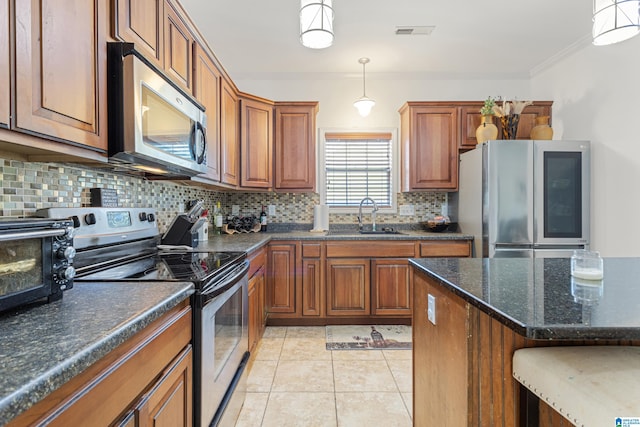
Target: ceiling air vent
[[415, 31]]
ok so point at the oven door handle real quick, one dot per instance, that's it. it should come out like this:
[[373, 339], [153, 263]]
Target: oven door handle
[[21, 235], [227, 282]]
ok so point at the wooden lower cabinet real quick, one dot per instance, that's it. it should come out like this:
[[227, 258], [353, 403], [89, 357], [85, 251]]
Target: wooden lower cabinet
[[256, 308], [170, 401], [390, 287], [329, 282], [312, 288], [147, 380], [348, 287], [281, 278]]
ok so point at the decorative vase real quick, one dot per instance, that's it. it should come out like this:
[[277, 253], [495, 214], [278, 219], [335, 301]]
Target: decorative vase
[[510, 126], [542, 130], [487, 130]]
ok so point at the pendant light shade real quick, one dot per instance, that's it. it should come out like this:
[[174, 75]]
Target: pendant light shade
[[316, 23], [364, 104], [615, 20]]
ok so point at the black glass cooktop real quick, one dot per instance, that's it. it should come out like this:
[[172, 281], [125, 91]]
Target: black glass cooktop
[[197, 267]]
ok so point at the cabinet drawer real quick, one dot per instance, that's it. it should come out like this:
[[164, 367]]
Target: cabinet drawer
[[257, 259], [446, 248], [311, 250], [371, 248]]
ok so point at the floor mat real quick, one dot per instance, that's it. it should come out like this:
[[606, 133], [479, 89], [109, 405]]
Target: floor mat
[[368, 337]]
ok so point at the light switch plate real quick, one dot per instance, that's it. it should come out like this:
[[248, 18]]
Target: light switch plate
[[235, 210], [272, 210], [431, 308], [407, 210]]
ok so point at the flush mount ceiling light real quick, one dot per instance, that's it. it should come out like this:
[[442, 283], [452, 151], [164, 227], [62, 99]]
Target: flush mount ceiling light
[[316, 23], [364, 104], [615, 20]]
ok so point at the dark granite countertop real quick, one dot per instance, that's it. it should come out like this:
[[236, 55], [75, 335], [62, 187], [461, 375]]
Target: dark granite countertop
[[251, 241], [539, 299], [46, 345]]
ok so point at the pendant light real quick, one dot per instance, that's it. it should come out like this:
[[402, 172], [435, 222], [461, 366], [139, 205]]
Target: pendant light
[[316, 23], [615, 20], [364, 104]]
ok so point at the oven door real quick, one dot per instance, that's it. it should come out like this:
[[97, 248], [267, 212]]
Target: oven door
[[221, 345]]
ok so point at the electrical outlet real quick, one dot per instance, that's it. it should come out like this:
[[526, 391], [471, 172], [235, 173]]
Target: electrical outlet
[[272, 210], [431, 308], [235, 210], [407, 210]]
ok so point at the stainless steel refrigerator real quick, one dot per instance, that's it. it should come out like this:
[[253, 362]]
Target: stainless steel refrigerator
[[525, 198]]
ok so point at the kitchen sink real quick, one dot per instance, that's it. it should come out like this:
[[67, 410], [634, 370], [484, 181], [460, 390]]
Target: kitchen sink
[[356, 232]]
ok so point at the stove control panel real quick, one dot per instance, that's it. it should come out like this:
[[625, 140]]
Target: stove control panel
[[98, 226]]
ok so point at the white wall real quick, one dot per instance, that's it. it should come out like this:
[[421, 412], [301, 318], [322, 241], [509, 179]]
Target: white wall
[[596, 94], [336, 95]]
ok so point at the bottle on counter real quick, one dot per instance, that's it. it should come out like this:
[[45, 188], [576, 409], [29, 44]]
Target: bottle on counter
[[263, 220], [218, 219]]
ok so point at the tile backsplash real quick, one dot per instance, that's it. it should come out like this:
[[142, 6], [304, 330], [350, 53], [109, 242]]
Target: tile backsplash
[[28, 186]]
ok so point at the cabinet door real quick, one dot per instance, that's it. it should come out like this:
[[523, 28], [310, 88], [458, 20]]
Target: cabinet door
[[281, 290], [169, 401], [348, 287], [256, 142], [229, 141], [177, 48], [312, 294], [206, 88], [470, 119], [431, 155], [5, 77], [528, 119], [391, 287], [142, 22], [295, 147], [61, 69], [256, 308]]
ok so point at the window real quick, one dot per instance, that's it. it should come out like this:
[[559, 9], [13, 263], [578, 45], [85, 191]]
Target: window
[[355, 166]]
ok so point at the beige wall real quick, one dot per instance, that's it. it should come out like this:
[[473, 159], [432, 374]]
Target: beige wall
[[596, 96]]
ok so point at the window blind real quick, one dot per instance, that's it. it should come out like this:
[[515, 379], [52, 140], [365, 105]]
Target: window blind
[[358, 166]]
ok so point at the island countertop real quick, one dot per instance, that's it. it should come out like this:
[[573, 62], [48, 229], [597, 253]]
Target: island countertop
[[539, 299]]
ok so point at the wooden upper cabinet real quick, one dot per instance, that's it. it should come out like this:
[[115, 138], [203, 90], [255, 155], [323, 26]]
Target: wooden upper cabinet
[[61, 69], [295, 146], [5, 76], [142, 22], [206, 88], [229, 136], [470, 119], [178, 42], [528, 118], [429, 146], [256, 143]]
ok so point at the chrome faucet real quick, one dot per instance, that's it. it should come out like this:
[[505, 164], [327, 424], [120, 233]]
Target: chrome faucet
[[373, 213]]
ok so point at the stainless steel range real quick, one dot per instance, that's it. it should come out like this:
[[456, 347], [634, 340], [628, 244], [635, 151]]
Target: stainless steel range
[[121, 244]]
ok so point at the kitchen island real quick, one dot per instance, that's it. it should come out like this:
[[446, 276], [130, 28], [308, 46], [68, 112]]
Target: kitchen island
[[485, 309]]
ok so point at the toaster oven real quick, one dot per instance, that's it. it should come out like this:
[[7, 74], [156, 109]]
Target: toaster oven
[[36, 257]]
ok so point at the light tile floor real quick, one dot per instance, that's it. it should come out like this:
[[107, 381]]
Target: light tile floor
[[294, 381]]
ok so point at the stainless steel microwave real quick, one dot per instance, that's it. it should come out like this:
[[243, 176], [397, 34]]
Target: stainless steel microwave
[[154, 126]]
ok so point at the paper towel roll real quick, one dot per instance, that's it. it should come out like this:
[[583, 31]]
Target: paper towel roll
[[320, 218]]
